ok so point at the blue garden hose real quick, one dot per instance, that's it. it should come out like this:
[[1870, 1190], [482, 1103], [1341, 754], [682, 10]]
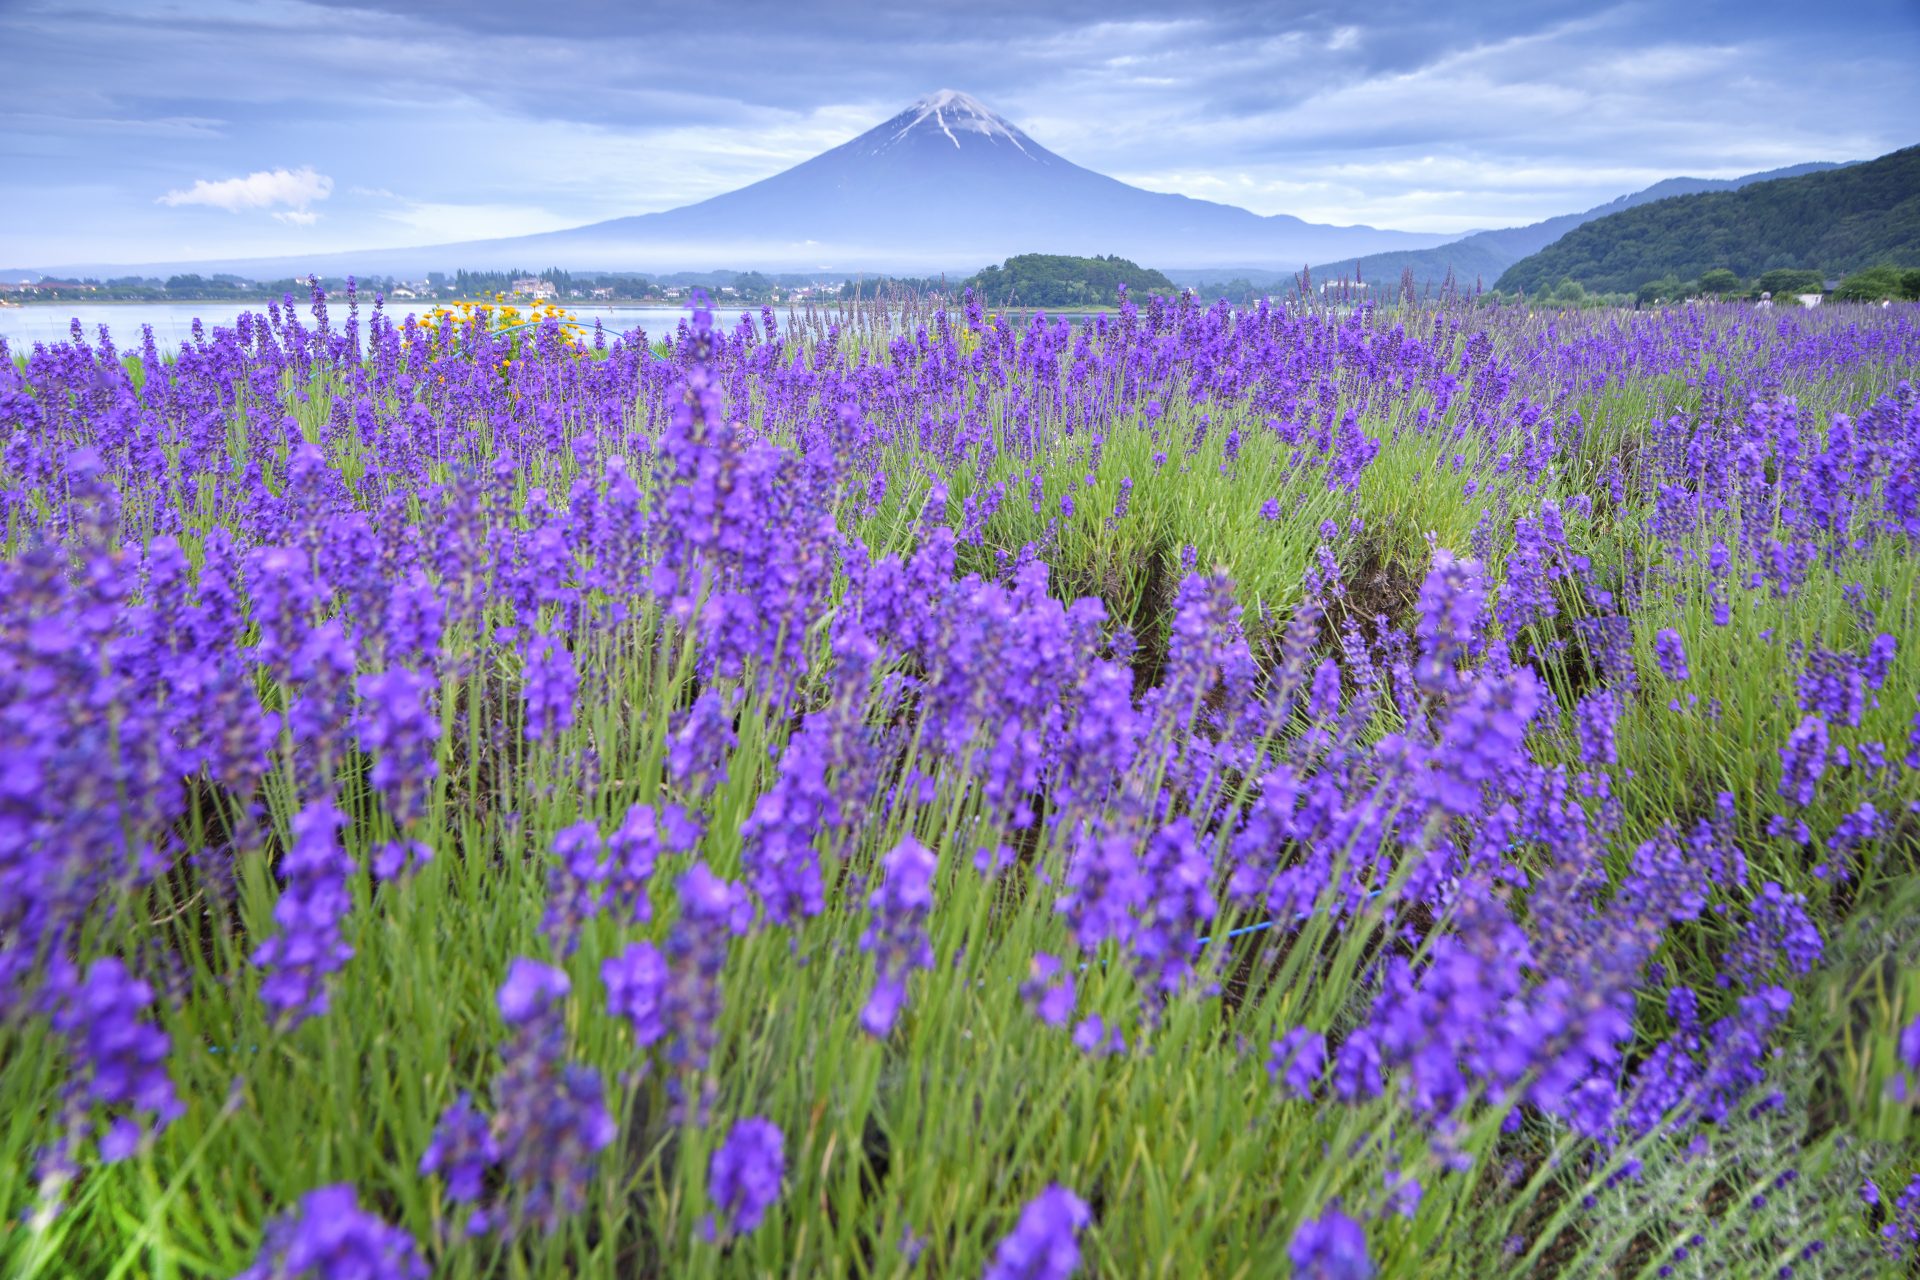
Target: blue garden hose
[[1264, 925]]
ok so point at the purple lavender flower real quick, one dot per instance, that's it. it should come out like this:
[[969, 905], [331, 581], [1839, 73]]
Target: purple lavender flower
[[1834, 687], [897, 932], [1671, 653], [575, 885], [330, 1237], [323, 669], [1049, 990], [743, 1178], [1105, 885], [1178, 869], [712, 912], [1901, 1231], [1449, 609], [1403, 1194], [1910, 1046], [634, 850], [1860, 827], [1298, 1061], [550, 1115], [1778, 932], [1097, 1038], [1044, 1244], [1594, 717], [308, 946], [532, 990], [1803, 760], [1609, 642], [1356, 1066], [550, 684], [780, 860], [1879, 661], [118, 1060], [698, 747], [637, 982], [1483, 742], [1526, 595], [399, 726], [1330, 1247], [463, 1150]]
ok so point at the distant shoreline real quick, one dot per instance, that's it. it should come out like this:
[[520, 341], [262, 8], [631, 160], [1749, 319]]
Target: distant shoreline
[[1075, 309]]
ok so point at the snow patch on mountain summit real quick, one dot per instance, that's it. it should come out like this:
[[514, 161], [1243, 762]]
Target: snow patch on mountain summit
[[949, 111]]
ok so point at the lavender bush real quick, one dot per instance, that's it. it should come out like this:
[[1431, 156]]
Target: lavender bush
[[1347, 791]]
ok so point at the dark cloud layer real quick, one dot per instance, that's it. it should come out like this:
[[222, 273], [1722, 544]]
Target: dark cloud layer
[[453, 118]]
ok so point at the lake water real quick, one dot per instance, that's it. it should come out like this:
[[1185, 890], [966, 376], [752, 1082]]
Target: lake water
[[173, 321]]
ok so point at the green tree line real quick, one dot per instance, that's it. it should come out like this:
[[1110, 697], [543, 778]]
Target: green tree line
[[1840, 221]]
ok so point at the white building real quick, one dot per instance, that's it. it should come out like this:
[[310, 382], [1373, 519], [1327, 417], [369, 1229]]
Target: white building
[[1808, 299], [534, 287]]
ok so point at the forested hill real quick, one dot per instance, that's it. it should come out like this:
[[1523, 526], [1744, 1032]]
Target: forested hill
[[1484, 255], [1835, 222], [1056, 280]]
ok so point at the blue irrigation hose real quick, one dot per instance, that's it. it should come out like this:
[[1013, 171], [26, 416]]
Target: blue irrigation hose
[[1264, 925]]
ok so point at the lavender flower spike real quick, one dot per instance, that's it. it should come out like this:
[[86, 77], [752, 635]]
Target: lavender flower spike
[[743, 1178], [330, 1237], [1330, 1247], [897, 936], [1045, 1243]]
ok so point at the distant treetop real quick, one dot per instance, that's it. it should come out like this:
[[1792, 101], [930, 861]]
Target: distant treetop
[[1057, 280]]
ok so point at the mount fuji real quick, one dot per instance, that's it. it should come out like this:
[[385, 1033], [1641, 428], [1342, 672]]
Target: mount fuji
[[945, 185], [948, 184]]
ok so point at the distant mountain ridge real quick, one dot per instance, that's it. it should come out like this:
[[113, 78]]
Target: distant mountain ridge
[[1837, 221], [945, 185], [1486, 255]]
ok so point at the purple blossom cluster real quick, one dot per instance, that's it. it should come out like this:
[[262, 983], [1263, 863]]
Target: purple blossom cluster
[[743, 1178], [119, 1065], [308, 946], [549, 1123], [1045, 1243], [328, 1236], [897, 936], [1330, 1247]]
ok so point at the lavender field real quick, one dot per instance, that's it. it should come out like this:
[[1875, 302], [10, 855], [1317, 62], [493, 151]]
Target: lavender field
[[1288, 791]]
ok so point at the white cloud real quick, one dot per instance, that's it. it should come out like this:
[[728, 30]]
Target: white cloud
[[297, 217], [295, 188]]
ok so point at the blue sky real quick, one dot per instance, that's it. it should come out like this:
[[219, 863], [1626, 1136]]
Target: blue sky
[[170, 130]]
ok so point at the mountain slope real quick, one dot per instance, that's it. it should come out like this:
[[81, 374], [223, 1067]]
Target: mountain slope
[[1484, 255], [1837, 221], [945, 185], [946, 182]]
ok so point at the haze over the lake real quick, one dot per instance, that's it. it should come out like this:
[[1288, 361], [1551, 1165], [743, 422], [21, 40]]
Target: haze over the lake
[[169, 132]]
